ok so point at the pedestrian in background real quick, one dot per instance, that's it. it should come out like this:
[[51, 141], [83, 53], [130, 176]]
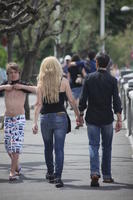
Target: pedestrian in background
[[67, 61], [115, 71], [76, 74], [92, 62], [100, 92], [51, 90], [14, 120], [89, 64]]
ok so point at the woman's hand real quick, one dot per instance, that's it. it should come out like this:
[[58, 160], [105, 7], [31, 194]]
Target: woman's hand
[[79, 121], [35, 129]]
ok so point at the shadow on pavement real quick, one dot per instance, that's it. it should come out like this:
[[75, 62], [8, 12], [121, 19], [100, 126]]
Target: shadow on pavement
[[114, 186]]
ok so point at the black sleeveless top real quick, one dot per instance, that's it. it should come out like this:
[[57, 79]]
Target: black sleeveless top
[[54, 107]]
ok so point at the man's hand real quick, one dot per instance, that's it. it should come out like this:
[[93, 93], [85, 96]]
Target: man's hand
[[118, 126]]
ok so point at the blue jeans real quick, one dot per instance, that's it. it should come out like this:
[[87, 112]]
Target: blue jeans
[[106, 132], [53, 129]]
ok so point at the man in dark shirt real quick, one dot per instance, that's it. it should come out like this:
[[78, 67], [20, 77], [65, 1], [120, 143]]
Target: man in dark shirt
[[99, 95]]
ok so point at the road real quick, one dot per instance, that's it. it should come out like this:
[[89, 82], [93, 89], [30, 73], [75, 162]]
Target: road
[[76, 174]]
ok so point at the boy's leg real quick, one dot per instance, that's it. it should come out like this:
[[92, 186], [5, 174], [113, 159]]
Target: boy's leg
[[14, 137], [14, 163]]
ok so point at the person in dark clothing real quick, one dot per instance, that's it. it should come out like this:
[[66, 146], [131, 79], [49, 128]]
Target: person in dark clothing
[[92, 62], [67, 60], [89, 64], [75, 76], [99, 93]]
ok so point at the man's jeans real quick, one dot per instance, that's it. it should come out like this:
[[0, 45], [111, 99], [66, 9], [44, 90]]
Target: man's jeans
[[106, 132], [54, 128]]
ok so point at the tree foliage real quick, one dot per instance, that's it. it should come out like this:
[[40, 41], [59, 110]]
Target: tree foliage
[[81, 27], [3, 57], [117, 25], [16, 15], [120, 47], [41, 23]]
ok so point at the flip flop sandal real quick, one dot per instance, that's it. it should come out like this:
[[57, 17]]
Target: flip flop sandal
[[18, 172], [12, 178]]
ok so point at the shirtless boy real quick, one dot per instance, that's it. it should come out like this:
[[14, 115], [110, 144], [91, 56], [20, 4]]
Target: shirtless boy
[[14, 119]]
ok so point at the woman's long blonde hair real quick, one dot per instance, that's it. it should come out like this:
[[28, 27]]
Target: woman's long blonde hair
[[49, 79]]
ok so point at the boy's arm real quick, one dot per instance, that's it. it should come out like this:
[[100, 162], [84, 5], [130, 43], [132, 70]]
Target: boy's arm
[[77, 63], [5, 86], [2, 88], [25, 88], [30, 88]]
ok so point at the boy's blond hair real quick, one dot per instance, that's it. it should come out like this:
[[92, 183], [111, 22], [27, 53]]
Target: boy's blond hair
[[12, 65]]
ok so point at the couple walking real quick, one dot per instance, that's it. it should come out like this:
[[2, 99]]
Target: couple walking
[[99, 93]]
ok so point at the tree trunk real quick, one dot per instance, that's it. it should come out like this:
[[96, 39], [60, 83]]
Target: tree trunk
[[27, 108], [10, 38], [29, 62]]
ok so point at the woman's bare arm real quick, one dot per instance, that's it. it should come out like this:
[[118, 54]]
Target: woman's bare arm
[[71, 98], [38, 106]]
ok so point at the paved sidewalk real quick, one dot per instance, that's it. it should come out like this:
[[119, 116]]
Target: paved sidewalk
[[32, 183]]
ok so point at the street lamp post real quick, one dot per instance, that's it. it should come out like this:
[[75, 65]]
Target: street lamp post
[[102, 25], [57, 38]]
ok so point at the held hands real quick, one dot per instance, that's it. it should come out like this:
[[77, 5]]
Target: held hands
[[118, 126], [79, 121], [35, 129]]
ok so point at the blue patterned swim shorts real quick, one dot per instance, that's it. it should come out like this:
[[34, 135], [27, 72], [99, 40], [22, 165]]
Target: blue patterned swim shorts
[[14, 133]]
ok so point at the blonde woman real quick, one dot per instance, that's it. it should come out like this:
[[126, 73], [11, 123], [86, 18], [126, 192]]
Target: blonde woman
[[51, 90]]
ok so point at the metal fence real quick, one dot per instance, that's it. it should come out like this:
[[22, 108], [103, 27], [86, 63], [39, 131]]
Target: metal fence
[[126, 93]]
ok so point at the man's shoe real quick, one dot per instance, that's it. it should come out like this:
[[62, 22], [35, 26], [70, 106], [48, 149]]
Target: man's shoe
[[58, 183], [108, 180], [94, 181], [50, 178]]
